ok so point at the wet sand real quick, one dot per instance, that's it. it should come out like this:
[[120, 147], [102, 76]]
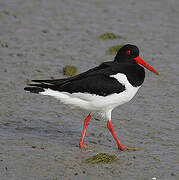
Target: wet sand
[[39, 136]]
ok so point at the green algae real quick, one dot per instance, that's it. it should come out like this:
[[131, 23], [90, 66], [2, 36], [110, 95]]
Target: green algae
[[102, 158], [113, 50], [69, 70], [109, 35]]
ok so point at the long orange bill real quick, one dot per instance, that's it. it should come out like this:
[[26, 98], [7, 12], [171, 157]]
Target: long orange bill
[[143, 63]]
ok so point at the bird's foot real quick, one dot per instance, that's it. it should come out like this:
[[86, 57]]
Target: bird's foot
[[125, 148], [84, 147]]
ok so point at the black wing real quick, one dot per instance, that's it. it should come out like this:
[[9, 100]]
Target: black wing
[[96, 84], [77, 77], [57, 84]]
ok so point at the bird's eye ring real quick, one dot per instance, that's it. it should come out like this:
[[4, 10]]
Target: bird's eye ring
[[128, 52]]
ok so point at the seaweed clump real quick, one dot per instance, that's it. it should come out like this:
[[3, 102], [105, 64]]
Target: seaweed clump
[[102, 158], [113, 50], [69, 70], [109, 35]]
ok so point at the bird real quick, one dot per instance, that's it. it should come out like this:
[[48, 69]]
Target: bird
[[100, 89]]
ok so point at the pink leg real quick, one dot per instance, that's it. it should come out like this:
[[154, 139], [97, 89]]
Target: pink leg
[[86, 123], [111, 129]]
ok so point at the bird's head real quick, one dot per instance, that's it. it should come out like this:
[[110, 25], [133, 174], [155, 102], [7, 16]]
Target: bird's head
[[130, 54]]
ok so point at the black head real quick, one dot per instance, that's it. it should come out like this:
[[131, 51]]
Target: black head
[[130, 54], [127, 53]]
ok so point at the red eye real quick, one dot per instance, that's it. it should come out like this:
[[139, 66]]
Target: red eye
[[128, 52]]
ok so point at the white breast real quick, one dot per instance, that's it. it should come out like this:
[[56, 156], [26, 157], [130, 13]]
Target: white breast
[[126, 95]]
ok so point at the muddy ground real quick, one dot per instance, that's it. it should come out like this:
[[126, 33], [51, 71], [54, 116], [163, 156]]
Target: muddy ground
[[39, 136]]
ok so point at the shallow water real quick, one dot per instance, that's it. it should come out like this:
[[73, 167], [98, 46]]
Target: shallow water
[[39, 136]]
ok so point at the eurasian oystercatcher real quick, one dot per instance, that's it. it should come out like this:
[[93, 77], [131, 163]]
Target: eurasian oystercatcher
[[99, 89]]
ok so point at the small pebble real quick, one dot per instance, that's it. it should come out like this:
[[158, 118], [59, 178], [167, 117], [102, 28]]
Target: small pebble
[[44, 31], [172, 174]]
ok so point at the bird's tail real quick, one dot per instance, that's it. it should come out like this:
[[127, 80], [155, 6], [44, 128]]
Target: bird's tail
[[40, 85], [36, 90]]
